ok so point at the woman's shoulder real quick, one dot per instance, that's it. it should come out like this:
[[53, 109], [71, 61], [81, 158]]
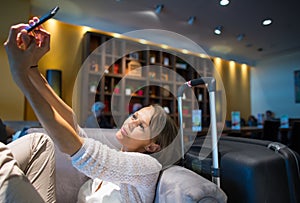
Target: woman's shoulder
[[143, 160]]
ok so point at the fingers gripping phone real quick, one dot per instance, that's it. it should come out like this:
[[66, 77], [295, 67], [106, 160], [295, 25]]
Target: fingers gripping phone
[[43, 19]]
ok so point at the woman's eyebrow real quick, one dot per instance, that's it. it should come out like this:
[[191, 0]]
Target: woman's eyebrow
[[142, 119]]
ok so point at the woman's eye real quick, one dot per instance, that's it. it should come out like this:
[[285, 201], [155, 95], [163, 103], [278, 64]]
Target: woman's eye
[[141, 125], [134, 116]]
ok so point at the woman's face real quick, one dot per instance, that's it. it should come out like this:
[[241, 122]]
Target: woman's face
[[134, 135]]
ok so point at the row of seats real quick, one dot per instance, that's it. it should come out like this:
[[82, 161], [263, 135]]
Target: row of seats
[[291, 139]]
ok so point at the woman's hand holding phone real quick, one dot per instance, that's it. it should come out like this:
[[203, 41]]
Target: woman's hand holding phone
[[34, 30], [44, 18], [25, 45]]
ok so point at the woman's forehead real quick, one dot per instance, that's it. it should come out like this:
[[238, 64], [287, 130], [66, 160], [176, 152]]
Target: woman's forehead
[[147, 110], [146, 113]]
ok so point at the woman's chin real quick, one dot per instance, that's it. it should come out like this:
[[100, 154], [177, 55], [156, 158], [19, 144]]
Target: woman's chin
[[119, 135]]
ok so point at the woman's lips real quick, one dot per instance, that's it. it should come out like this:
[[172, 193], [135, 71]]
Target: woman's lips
[[123, 131]]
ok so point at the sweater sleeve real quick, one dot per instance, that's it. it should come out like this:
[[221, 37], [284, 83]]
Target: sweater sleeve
[[81, 132], [97, 160]]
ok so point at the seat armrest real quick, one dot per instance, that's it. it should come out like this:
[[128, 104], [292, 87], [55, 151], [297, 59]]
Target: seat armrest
[[178, 184]]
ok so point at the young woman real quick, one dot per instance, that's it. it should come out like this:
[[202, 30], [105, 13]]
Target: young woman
[[128, 175]]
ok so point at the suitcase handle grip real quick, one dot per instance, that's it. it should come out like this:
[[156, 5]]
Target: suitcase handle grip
[[275, 146]]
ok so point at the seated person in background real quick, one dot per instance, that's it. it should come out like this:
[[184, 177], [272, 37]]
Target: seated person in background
[[252, 121], [242, 122], [270, 115], [128, 175], [97, 119]]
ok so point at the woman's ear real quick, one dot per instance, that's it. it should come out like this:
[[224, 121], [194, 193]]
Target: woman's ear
[[152, 147]]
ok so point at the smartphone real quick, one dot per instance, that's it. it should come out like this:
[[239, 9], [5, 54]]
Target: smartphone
[[43, 19], [197, 120]]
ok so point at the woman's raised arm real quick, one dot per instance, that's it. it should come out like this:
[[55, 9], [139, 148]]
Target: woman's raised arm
[[24, 52]]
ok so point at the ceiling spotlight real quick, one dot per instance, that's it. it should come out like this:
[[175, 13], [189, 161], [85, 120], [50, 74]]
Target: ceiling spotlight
[[159, 8], [218, 30], [240, 37], [224, 2], [191, 20], [267, 22]]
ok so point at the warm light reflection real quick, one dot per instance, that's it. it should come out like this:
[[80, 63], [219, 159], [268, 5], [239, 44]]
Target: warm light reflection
[[164, 46], [52, 24], [54, 27], [232, 70], [85, 29], [142, 41], [244, 68], [218, 63], [203, 56], [185, 51], [116, 35]]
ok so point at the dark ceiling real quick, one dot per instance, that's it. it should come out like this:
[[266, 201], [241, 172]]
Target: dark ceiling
[[239, 17]]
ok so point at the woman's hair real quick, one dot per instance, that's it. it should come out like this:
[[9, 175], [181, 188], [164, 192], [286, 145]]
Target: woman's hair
[[162, 127]]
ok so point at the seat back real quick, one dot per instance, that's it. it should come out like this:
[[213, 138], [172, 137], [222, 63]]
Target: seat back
[[271, 130], [295, 137]]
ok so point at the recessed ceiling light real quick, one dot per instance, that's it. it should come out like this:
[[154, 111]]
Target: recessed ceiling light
[[159, 8], [224, 2], [218, 30], [240, 37], [191, 20], [267, 22]]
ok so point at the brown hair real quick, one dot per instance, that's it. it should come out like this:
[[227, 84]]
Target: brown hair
[[163, 128]]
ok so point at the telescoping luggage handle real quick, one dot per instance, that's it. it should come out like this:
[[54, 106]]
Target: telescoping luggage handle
[[210, 83]]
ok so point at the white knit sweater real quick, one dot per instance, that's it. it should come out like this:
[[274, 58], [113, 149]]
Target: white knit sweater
[[135, 174]]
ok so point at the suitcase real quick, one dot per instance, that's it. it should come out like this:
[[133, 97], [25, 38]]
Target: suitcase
[[251, 171], [247, 170]]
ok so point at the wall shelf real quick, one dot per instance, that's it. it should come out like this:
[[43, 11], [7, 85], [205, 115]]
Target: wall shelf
[[153, 76]]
